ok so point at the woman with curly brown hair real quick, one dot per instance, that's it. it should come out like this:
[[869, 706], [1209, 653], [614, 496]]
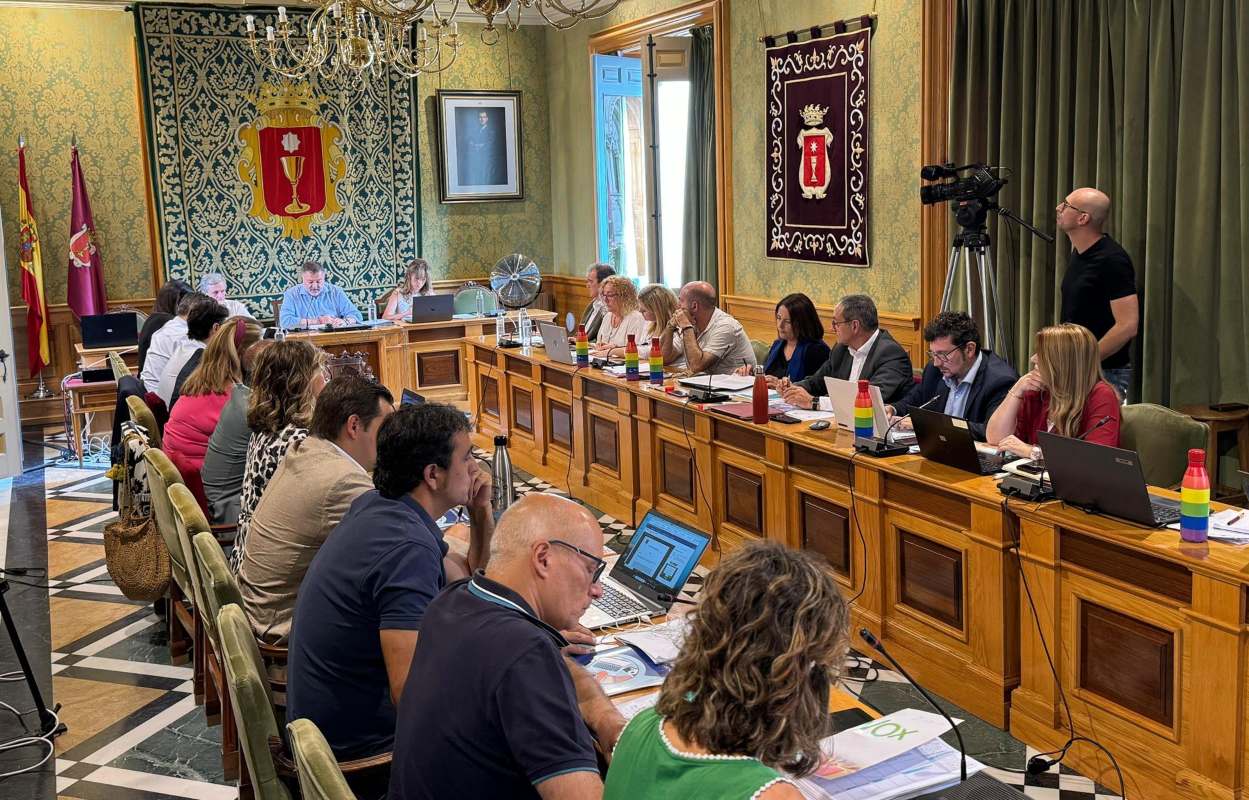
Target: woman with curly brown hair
[[748, 696], [286, 380]]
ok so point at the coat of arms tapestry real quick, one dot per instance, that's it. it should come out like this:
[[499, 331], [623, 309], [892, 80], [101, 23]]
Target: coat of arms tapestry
[[253, 174], [817, 149]]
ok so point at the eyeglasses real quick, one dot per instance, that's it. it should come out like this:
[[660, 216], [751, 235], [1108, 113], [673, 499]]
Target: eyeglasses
[[837, 324], [943, 357], [599, 563], [609, 295], [1064, 205]]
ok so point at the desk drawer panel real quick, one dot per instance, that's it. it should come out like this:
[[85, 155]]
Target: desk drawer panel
[[438, 369], [676, 471], [555, 377], [486, 357], [930, 578], [1129, 566], [819, 464], [517, 366], [603, 392], [1127, 661], [604, 443], [743, 498], [737, 437], [435, 334], [674, 415], [948, 508], [559, 417], [825, 530], [522, 409], [489, 397]]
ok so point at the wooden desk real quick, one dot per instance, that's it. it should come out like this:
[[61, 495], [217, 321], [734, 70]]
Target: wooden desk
[[1150, 636], [925, 545], [87, 399]]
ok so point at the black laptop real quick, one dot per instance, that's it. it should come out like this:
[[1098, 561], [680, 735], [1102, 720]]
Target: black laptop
[[948, 440], [106, 331], [1103, 479], [432, 307], [411, 398]]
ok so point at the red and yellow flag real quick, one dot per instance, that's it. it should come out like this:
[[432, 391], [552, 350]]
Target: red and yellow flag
[[32, 273]]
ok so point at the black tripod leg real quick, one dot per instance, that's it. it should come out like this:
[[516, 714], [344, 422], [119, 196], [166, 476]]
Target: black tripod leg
[[48, 725]]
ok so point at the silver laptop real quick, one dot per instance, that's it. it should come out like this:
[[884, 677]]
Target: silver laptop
[[660, 557], [555, 342], [842, 394]]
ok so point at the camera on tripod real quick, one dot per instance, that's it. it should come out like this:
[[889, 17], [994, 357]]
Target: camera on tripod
[[974, 192]]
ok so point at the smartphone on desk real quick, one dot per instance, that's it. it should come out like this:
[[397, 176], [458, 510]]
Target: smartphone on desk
[[784, 418]]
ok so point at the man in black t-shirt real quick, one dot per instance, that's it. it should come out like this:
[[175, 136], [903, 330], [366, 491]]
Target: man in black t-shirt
[[1099, 288]]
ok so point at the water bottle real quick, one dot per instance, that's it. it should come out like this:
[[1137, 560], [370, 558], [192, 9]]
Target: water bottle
[[863, 417], [759, 398], [1195, 499], [525, 326], [631, 359], [481, 304], [583, 347], [500, 329], [372, 309], [503, 491], [656, 363]]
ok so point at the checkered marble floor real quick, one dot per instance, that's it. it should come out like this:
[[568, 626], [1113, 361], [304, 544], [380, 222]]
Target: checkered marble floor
[[134, 728]]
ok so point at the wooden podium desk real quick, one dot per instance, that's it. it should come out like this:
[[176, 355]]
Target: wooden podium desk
[[91, 405], [925, 544], [1150, 636]]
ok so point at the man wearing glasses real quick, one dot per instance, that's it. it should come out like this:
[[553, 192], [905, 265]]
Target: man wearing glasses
[[863, 351], [492, 708], [1099, 287], [962, 379]]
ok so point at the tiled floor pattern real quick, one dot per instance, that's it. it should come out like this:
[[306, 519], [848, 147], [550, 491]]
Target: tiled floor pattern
[[134, 729]]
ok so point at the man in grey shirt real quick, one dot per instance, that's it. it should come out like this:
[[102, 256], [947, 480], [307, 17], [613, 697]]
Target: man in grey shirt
[[707, 340]]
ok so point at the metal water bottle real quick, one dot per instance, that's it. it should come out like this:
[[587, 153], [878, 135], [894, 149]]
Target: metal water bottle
[[1195, 499], [759, 398], [503, 491]]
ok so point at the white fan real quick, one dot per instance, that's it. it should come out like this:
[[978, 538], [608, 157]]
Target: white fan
[[515, 281]]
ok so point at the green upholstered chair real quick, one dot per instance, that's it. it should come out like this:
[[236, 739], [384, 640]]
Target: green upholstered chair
[[181, 619], [465, 300], [1162, 437], [142, 416], [319, 775], [761, 351]]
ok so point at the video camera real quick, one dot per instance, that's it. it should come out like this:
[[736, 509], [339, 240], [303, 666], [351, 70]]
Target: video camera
[[973, 193]]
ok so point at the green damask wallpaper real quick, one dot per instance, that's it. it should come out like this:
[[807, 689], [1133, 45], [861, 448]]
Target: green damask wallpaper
[[465, 240], [66, 71], [893, 278]]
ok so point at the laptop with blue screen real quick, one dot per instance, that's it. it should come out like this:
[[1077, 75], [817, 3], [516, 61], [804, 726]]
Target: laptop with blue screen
[[660, 557]]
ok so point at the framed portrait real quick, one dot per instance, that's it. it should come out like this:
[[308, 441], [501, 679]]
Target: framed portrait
[[479, 146]]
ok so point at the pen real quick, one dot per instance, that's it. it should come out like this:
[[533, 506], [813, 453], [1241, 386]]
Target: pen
[[1234, 519]]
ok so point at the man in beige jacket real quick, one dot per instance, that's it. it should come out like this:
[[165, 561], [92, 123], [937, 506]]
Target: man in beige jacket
[[307, 497]]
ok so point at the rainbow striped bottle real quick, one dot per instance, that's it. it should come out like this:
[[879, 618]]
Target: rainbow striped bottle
[[1195, 499], [863, 418], [631, 359], [656, 363], [583, 347]]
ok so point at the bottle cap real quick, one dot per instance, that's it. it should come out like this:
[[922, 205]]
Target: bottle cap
[[1197, 457], [862, 385], [500, 441], [632, 338]]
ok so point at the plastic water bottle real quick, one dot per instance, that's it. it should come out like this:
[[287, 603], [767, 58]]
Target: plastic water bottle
[[759, 398], [863, 417], [656, 363], [500, 329], [503, 491], [481, 304], [372, 306], [1195, 499], [525, 326]]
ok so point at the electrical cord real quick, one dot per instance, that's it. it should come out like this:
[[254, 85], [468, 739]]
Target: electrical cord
[[858, 530], [698, 480], [27, 741]]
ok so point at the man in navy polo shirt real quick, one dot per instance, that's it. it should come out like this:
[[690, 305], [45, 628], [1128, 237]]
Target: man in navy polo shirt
[[361, 605], [491, 707]]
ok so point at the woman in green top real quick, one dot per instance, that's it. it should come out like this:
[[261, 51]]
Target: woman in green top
[[748, 696]]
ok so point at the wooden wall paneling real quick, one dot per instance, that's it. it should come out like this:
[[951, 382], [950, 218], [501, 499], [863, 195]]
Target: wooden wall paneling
[[1126, 661], [740, 493], [867, 566], [819, 514], [1037, 697], [608, 446], [1215, 657]]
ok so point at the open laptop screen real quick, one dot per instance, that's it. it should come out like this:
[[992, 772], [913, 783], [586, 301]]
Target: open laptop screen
[[661, 555]]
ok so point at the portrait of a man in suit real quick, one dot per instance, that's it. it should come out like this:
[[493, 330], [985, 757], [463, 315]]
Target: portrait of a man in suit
[[481, 145]]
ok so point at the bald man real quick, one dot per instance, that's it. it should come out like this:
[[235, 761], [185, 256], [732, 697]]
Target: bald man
[[491, 707], [1099, 288], [707, 340]]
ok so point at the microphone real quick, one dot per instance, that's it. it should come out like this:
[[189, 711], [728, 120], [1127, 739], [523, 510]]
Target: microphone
[[672, 598], [876, 645], [880, 447], [1094, 427]]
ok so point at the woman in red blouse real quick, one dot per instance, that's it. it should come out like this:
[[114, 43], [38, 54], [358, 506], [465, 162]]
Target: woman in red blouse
[[1064, 393]]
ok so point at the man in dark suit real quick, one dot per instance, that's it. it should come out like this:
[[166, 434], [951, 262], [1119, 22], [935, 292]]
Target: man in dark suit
[[961, 379], [863, 351], [592, 317]]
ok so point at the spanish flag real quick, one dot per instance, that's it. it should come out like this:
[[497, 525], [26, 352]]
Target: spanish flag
[[32, 272]]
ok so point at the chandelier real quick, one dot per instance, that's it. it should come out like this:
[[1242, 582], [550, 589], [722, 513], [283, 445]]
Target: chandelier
[[365, 37]]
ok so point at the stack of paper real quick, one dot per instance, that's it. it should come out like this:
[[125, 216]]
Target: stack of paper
[[1231, 525], [660, 643]]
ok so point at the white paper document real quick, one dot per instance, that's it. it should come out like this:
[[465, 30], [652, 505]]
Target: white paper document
[[660, 643], [931, 766], [1230, 525], [720, 383]]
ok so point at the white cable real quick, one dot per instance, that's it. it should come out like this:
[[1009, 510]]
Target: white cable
[[27, 741]]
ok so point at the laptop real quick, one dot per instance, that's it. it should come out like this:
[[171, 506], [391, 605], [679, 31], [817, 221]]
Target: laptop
[[555, 342], [101, 331], [411, 398], [843, 393], [1102, 479], [948, 440], [432, 307], [660, 557]]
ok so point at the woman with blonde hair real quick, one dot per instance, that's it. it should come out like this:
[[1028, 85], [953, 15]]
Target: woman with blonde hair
[[748, 695], [286, 380], [622, 317], [657, 304], [1063, 393], [203, 396], [415, 281]]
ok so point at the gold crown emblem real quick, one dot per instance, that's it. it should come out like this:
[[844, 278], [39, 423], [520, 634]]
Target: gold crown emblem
[[813, 115], [287, 95]]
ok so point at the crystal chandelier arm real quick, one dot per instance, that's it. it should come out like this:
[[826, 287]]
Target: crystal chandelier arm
[[588, 9]]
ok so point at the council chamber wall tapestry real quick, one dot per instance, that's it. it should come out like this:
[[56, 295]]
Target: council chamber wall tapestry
[[254, 174], [817, 148]]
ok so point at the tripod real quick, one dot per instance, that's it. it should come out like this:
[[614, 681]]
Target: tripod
[[49, 727], [972, 244]]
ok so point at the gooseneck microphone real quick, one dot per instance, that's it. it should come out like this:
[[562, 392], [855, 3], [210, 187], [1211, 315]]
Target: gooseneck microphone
[[924, 404], [879, 446], [1094, 427], [672, 598], [876, 645]]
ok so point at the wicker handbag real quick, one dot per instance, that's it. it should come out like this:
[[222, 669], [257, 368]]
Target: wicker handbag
[[134, 550]]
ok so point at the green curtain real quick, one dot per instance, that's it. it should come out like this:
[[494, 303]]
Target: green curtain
[[698, 262], [1147, 100]]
